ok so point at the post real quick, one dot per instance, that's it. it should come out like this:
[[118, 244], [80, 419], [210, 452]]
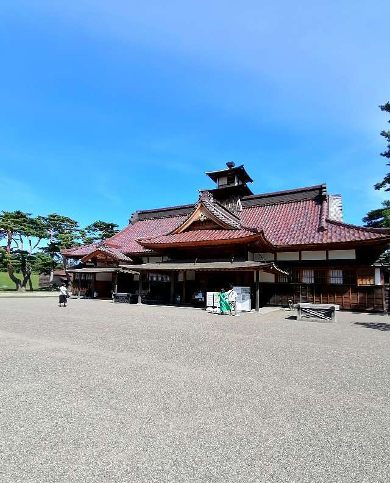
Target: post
[[116, 282], [140, 289], [378, 280], [184, 287], [257, 306], [172, 293], [79, 274]]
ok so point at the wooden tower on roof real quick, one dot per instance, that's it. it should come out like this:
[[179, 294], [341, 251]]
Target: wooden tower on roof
[[232, 184]]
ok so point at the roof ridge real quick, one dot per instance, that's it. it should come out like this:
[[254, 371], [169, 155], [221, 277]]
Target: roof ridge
[[286, 202], [358, 227], [177, 207], [294, 190]]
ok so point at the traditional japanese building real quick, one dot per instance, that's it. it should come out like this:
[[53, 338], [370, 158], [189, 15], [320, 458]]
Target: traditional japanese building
[[284, 245]]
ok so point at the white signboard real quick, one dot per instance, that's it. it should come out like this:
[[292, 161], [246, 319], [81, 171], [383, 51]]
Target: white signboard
[[243, 299]]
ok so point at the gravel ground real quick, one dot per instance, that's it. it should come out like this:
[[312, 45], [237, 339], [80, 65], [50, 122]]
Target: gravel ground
[[97, 392]]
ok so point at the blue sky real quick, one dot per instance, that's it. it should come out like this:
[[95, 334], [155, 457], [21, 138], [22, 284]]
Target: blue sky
[[109, 107]]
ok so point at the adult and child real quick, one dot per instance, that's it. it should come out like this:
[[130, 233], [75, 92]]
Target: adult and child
[[228, 301]]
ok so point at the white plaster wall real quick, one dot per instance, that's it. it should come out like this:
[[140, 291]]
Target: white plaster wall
[[263, 256], [155, 259], [378, 278], [287, 256], [316, 255], [267, 277], [342, 254], [190, 275]]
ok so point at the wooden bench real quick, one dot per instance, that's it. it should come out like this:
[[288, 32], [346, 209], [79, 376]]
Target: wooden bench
[[318, 312]]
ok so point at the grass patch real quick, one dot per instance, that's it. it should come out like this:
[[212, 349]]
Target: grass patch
[[7, 284]]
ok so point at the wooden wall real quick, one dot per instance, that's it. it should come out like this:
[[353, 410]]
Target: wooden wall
[[349, 297]]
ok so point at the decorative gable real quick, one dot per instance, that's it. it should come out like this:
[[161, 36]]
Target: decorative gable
[[209, 215]]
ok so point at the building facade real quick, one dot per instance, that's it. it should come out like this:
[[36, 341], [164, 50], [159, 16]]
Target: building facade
[[287, 245]]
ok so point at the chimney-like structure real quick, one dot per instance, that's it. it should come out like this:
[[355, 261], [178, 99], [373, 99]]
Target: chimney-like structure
[[335, 210]]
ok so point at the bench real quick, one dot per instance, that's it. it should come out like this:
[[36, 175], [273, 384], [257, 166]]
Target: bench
[[318, 312], [121, 298]]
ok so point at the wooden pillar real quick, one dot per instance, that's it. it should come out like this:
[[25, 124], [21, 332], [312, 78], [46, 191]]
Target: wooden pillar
[[115, 275], [172, 293], [79, 274], [257, 306], [184, 287], [140, 288]]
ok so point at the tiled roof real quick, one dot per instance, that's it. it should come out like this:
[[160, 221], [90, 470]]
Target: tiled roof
[[299, 223], [222, 213], [126, 240], [109, 251], [80, 251], [286, 222], [198, 236]]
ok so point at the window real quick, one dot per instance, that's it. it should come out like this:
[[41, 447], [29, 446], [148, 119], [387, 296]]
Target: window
[[156, 277], [307, 276], [336, 276], [320, 276], [231, 178], [339, 277], [282, 278], [291, 277]]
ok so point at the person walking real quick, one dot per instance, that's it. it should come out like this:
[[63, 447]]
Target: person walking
[[63, 295], [232, 299], [223, 303]]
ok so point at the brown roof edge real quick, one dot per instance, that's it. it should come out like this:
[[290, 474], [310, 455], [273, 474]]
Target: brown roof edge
[[319, 187], [383, 231], [140, 215]]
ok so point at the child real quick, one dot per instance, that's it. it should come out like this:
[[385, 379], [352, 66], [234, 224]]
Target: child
[[63, 295]]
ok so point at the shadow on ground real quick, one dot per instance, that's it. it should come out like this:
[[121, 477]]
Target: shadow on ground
[[374, 325]]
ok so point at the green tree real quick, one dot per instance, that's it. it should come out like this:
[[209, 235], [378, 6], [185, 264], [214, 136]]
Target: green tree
[[379, 218], [385, 183], [43, 263], [98, 231], [22, 233], [63, 232]]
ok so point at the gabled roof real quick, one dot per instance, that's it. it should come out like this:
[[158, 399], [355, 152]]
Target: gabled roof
[[286, 219], [214, 211], [79, 252], [107, 252]]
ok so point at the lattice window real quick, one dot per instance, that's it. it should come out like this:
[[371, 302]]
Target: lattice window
[[282, 278], [307, 276], [336, 277]]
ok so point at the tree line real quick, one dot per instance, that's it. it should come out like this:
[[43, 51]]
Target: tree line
[[21, 234], [32, 244], [380, 217]]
